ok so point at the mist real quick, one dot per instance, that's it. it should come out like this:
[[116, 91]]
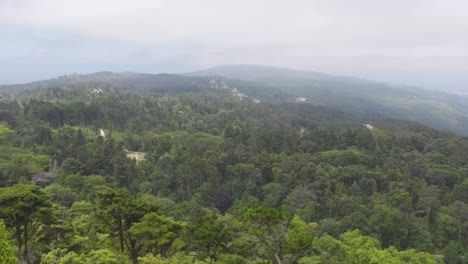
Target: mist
[[421, 43]]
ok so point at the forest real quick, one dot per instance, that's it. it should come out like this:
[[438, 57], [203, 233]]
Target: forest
[[223, 180]]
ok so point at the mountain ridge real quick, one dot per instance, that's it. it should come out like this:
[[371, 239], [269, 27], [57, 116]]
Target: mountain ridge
[[156, 83], [366, 99], [444, 111]]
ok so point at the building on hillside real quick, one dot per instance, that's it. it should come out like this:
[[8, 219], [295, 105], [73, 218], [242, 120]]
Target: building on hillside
[[138, 156]]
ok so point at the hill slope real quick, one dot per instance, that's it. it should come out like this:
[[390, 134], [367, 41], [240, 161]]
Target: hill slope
[[154, 83], [369, 99], [237, 172]]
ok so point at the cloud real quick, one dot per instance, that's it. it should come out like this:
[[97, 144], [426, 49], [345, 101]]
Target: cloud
[[345, 37], [215, 22]]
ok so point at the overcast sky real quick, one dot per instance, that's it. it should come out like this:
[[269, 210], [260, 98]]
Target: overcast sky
[[418, 42]]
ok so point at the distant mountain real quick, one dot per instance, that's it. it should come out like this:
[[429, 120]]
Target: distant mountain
[[157, 83], [369, 99], [272, 75]]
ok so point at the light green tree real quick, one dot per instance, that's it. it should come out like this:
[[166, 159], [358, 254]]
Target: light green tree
[[158, 234], [7, 250]]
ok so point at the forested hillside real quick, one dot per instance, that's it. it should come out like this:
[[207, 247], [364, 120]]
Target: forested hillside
[[223, 180], [365, 98]]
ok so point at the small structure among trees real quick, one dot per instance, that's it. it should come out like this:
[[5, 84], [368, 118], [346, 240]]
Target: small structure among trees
[[138, 156]]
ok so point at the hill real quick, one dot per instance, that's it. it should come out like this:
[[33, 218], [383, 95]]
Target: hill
[[153, 83], [367, 99]]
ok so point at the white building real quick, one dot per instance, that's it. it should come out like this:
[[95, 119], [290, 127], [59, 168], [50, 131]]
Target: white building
[[300, 99]]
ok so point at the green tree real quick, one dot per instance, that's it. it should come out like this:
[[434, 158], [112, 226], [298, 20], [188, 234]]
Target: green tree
[[178, 258], [72, 166], [270, 226], [300, 238], [207, 237], [453, 253], [121, 211], [100, 256], [26, 209], [7, 250], [104, 256], [459, 211], [158, 234], [386, 223], [428, 201]]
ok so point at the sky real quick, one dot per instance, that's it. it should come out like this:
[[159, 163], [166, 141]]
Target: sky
[[413, 42]]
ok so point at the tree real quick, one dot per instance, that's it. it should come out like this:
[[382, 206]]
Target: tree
[[207, 237], [158, 234], [386, 223], [7, 250], [270, 226], [300, 238], [272, 194], [121, 210], [100, 256], [224, 198], [25, 208], [356, 248], [453, 253], [243, 177], [178, 258], [459, 211], [73, 166], [428, 201]]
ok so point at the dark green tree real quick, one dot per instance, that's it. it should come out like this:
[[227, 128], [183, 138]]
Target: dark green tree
[[386, 222], [121, 211], [26, 209], [453, 253], [207, 237]]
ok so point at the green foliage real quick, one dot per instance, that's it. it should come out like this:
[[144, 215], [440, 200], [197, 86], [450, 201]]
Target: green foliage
[[235, 182], [7, 250], [300, 238], [27, 210], [453, 253], [342, 157], [270, 226], [121, 211], [207, 237], [178, 258], [101, 256], [159, 233], [386, 223], [356, 248]]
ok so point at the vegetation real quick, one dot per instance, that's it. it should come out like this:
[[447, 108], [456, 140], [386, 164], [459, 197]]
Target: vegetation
[[223, 181], [369, 99]]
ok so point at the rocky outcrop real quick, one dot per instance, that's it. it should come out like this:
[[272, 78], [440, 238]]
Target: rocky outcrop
[[44, 178]]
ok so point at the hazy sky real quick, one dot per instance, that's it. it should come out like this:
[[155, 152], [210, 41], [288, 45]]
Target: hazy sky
[[419, 42]]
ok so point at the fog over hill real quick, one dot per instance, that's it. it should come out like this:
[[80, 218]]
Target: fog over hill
[[370, 99], [155, 83]]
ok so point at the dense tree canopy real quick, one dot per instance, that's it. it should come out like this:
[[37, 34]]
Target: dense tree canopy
[[223, 180]]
